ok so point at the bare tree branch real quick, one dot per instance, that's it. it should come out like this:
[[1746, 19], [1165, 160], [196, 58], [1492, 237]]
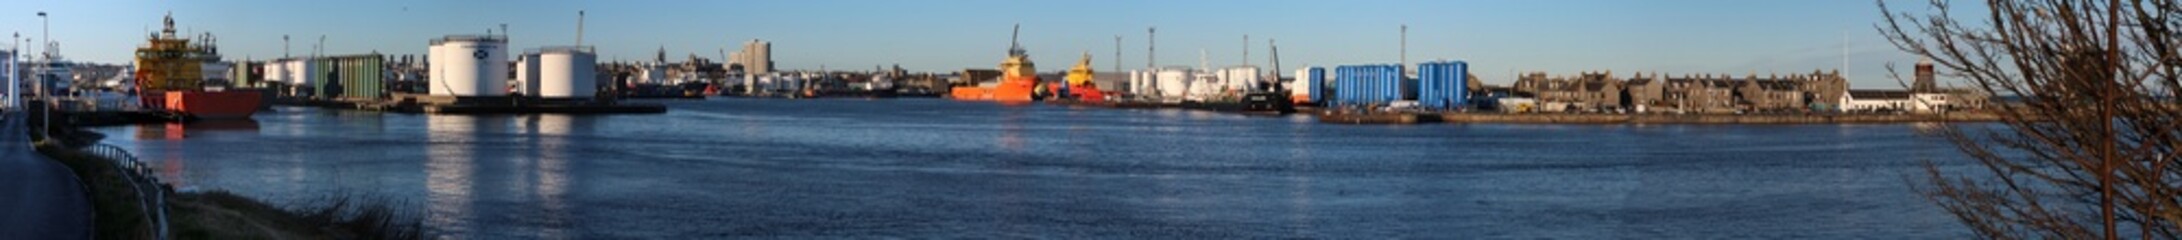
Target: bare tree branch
[[2088, 148]]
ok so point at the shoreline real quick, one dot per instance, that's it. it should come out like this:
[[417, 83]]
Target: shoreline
[[1333, 117], [1714, 118], [121, 209]]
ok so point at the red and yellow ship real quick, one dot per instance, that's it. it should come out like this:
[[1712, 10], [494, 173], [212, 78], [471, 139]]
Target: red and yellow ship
[[170, 77], [1079, 84], [1019, 81]]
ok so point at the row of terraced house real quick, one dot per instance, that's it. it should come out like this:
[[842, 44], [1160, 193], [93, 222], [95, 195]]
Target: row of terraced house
[[1718, 93]]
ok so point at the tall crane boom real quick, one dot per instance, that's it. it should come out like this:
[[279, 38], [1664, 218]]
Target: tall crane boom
[[1015, 46]]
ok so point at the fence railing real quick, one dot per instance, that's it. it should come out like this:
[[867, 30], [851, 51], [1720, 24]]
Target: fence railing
[[143, 179]]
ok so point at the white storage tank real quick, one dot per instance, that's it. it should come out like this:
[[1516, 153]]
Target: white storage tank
[[299, 72], [1136, 82], [526, 74], [567, 72], [275, 71], [1240, 78], [1146, 84], [470, 66], [1173, 83]]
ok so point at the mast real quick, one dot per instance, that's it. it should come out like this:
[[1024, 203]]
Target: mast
[[1015, 46], [1275, 62], [579, 28]]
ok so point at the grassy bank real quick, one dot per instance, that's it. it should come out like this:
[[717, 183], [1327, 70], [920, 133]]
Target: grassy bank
[[120, 213], [223, 215], [117, 212]]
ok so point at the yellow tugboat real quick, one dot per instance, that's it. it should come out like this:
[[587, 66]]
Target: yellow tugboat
[[170, 77], [1079, 86]]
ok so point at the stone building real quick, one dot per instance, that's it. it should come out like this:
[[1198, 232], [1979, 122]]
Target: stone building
[[1647, 93], [1770, 95], [1586, 92], [1697, 94]]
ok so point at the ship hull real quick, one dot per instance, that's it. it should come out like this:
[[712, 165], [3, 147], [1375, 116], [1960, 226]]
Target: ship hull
[[230, 104], [1013, 89]]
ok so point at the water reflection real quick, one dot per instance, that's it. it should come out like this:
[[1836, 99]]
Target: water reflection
[[171, 164], [553, 149], [451, 159], [1299, 177], [1011, 130], [178, 131]]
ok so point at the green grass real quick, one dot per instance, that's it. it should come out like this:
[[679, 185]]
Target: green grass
[[116, 211]]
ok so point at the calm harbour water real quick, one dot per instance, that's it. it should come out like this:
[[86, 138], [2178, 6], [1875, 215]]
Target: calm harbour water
[[924, 168]]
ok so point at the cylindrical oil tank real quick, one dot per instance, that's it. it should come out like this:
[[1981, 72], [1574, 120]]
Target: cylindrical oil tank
[[299, 72], [1173, 82], [526, 74], [471, 66], [275, 71], [433, 74], [1241, 78], [567, 73], [1150, 86]]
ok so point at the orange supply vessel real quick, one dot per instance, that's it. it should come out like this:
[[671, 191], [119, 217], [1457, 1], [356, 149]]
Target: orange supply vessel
[[1018, 80], [170, 77]]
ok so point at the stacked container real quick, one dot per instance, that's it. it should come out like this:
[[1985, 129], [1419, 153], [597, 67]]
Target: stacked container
[[1443, 85], [1369, 85]]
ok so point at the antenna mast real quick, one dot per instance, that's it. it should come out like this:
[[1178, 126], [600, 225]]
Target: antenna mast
[[1015, 46], [579, 28], [1276, 64]]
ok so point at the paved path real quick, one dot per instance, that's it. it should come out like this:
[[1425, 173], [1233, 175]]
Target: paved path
[[39, 198]]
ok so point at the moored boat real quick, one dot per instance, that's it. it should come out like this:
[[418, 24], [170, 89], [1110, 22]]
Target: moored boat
[[170, 77]]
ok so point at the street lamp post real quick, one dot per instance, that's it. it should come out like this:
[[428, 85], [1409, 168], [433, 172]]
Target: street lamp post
[[45, 122], [14, 103]]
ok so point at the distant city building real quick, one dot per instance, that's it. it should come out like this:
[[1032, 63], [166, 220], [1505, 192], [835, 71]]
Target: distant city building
[[756, 57]]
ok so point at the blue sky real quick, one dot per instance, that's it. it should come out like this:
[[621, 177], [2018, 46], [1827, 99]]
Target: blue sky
[[1497, 37]]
